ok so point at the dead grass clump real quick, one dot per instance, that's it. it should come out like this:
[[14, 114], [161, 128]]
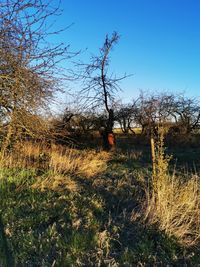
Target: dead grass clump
[[172, 203], [59, 159], [175, 206], [24, 155], [29, 149], [86, 163]]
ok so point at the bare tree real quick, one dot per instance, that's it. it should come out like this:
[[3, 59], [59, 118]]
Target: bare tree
[[29, 64], [186, 113], [153, 110], [100, 87], [125, 117]]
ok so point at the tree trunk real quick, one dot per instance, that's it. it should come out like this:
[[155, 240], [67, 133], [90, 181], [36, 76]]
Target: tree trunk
[[108, 135]]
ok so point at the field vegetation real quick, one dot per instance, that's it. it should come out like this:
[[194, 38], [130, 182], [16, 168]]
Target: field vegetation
[[63, 206], [104, 184]]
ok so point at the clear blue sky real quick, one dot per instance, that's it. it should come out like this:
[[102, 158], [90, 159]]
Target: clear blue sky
[[159, 44]]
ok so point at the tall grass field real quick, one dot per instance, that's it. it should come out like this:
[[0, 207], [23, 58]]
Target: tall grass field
[[61, 206]]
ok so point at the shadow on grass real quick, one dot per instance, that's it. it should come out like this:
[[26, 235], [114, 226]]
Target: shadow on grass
[[85, 228], [6, 257], [132, 242]]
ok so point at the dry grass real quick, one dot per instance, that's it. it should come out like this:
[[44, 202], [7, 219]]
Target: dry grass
[[175, 206], [24, 155], [58, 159], [86, 163], [172, 203], [60, 163]]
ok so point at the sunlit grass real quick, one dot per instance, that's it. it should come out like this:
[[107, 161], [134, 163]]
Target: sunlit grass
[[136, 130], [173, 202], [58, 159], [66, 207]]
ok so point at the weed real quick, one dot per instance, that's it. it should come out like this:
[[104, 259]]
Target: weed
[[173, 204]]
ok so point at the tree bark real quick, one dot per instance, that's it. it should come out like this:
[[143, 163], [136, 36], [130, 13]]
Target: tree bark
[[108, 135]]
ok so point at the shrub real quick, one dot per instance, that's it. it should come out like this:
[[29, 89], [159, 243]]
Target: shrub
[[172, 202]]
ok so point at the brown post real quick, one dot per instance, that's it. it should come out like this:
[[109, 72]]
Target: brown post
[[153, 157]]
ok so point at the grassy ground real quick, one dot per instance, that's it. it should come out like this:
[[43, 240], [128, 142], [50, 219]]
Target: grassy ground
[[72, 208]]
